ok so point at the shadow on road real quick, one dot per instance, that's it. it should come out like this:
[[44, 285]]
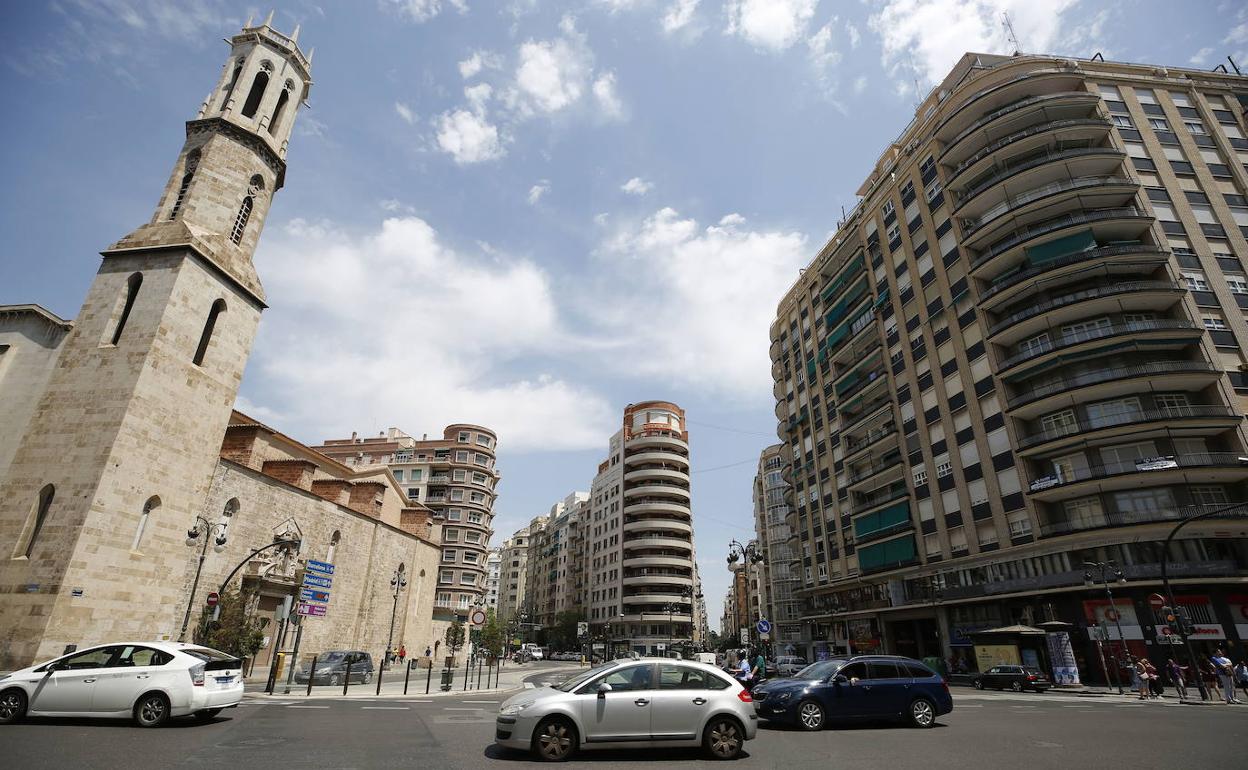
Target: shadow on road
[[780, 727], [496, 752], [172, 723]]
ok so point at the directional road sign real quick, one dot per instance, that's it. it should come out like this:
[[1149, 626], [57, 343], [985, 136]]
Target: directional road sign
[[316, 581], [320, 567], [763, 626], [313, 610], [312, 595]]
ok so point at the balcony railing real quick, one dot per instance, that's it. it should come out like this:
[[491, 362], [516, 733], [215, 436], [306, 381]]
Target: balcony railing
[[1130, 518], [1141, 465], [1012, 107], [1072, 338], [869, 470], [1108, 374], [972, 226], [1053, 225], [1129, 418], [1039, 308], [1043, 128], [1013, 279], [1018, 166], [852, 446]]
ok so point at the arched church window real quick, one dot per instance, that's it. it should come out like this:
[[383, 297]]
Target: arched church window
[[334, 539], [227, 517], [278, 111], [132, 292], [192, 163], [152, 504], [218, 307], [258, 85], [240, 222], [229, 89], [40, 515]]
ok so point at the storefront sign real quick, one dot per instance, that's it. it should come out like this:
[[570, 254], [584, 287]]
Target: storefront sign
[[989, 655], [1121, 615], [1155, 463], [1062, 656], [960, 636], [1238, 604]]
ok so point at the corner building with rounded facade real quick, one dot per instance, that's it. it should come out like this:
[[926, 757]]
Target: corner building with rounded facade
[[1023, 352]]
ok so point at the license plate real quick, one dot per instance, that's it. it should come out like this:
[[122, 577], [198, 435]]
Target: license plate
[[225, 679]]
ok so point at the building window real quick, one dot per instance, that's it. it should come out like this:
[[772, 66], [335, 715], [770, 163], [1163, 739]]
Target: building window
[[334, 540], [448, 556], [229, 89], [258, 84], [280, 108], [38, 516], [133, 283], [1209, 494], [413, 493], [446, 576], [1213, 322], [218, 307], [152, 504], [240, 221], [192, 163], [464, 437], [1196, 281]]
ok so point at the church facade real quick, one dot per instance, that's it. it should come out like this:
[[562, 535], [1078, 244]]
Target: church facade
[[122, 436]]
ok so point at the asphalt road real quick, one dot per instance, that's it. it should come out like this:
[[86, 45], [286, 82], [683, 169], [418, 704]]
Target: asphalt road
[[985, 730]]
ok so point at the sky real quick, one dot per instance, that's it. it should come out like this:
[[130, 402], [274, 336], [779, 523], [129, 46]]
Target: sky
[[521, 213]]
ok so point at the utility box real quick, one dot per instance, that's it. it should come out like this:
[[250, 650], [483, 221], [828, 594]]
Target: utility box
[[446, 678]]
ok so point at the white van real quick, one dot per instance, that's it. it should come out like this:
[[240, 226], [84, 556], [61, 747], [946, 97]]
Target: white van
[[705, 657]]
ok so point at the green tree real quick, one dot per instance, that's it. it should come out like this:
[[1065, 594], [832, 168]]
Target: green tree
[[562, 635], [492, 634], [234, 631], [454, 636]]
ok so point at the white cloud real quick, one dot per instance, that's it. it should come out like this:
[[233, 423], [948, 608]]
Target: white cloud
[[478, 95], [468, 137], [608, 100], [423, 10], [823, 56], [480, 371], [553, 74], [405, 112], [854, 35], [929, 36], [724, 279], [477, 63], [860, 84], [538, 190], [770, 24], [636, 186], [1201, 57], [679, 14]]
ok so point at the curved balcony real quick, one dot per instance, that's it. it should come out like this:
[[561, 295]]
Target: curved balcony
[[658, 540], [656, 561], [1039, 169], [862, 411], [642, 475], [1131, 223], [1174, 375], [1197, 468], [675, 597], [1048, 200], [647, 525], [1115, 259], [1152, 329], [853, 447], [658, 580], [1065, 130], [658, 441], [856, 476], [664, 490], [1131, 518], [655, 506], [1177, 420], [1123, 297], [1013, 117], [656, 458]]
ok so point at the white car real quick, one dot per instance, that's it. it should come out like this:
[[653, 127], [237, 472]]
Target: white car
[[146, 681]]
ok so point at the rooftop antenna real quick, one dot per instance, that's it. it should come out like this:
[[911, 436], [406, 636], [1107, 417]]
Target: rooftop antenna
[[1009, 30]]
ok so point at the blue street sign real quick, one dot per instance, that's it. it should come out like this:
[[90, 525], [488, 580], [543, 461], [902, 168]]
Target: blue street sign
[[764, 626], [308, 595], [324, 568], [316, 581]]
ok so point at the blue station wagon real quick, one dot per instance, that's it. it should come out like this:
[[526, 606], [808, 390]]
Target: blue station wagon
[[864, 687]]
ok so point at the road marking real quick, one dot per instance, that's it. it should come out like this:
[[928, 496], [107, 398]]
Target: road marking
[[307, 707], [386, 708], [415, 701], [481, 701], [530, 686], [451, 708]]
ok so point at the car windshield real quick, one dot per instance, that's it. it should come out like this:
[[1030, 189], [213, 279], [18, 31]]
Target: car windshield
[[330, 657], [207, 653], [821, 669], [577, 681]]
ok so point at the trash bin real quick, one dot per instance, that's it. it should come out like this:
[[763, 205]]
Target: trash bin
[[446, 678]]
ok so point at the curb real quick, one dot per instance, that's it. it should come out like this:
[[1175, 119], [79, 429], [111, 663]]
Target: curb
[[299, 690]]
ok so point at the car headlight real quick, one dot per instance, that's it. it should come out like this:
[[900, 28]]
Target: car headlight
[[514, 709]]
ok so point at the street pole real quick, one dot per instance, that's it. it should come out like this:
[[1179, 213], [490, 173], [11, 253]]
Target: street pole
[[191, 535], [294, 659], [397, 583], [1165, 582]]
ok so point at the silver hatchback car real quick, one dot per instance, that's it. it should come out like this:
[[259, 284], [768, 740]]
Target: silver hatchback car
[[643, 703]]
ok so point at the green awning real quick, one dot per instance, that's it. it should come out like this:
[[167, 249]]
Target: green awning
[[889, 553], [893, 515], [1060, 247], [848, 274]]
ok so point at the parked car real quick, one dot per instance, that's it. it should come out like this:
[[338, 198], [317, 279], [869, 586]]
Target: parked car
[[862, 687], [331, 668], [788, 665], [1017, 678], [146, 681], [631, 704]]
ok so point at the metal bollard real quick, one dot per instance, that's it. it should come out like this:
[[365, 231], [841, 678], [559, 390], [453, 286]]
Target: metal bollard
[[479, 662], [312, 674], [467, 671], [429, 676], [407, 675], [346, 680]]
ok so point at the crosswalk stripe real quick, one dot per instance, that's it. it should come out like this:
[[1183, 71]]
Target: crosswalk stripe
[[306, 707], [386, 708], [530, 686]]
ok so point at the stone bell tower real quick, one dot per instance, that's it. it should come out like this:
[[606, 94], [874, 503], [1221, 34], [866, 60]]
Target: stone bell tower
[[119, 454]]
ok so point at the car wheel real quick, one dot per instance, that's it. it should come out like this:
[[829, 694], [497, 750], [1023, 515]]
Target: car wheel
[[334, 681], [368, 677], [555, 740], [979, 684], [922, 713], [1016, 686], [810, 715], [206, 715], [151, 710], [12, 706], [723, 738]]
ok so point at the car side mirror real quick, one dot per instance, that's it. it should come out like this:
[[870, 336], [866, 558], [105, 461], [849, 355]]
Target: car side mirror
[[603, 689], [840, 679]]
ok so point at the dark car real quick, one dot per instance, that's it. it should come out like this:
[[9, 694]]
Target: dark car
[[862, 687], [331, 668], [1017, 678]]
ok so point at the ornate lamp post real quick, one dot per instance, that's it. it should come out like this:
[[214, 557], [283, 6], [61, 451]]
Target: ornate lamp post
[[750, 555], [398, 582], [1106, 570], [193, 536]]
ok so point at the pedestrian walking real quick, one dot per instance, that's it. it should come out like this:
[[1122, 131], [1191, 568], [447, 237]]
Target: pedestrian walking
[[1154, 681], [758, 670], [1241, 676], [402, 653], [1210, 678], [1226, 675], [1177, 674], [428, 651], [1138, 683]]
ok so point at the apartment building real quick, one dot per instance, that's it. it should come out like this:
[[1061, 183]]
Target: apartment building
[[513, 574], [493, 575], [1024, 352], [552, 560], [779, 568], [457, 479], [640, 577]]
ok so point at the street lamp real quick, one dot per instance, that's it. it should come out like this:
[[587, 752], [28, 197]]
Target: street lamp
[[687, 593], [1106, 570], [192, 537], [750, 555], [398, 582]]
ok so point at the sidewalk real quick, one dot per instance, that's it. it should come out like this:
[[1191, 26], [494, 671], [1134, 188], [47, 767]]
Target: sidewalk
[[510, 678]]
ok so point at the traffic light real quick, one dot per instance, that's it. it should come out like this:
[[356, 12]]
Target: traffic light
[[1185, 622], [1168, 617]]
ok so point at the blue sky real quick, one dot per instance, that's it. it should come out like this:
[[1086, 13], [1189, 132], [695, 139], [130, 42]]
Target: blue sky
[[521, 214]]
